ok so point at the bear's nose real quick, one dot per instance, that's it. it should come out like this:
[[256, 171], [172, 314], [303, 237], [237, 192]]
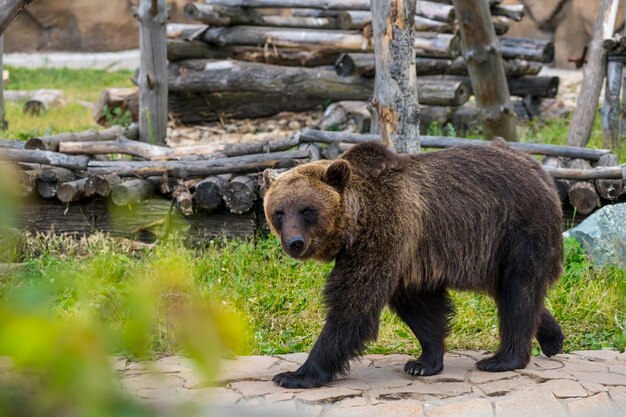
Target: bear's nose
[[295, 245]]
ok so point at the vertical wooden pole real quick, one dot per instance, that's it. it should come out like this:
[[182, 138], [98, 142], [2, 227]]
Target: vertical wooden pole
[[611, 109], [3, 119], [9, 9], [152, 80], [481, 51], [395, 90], [593, 75]]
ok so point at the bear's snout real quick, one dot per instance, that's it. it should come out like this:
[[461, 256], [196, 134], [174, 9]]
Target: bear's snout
[[295, 246]]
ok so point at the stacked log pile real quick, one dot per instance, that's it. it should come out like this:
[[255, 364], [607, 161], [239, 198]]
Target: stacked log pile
[[219, 192], [256, 58]]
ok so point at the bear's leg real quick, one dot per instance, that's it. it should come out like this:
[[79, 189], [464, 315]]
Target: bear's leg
[[519, 298], [549, 334], [427, 315]]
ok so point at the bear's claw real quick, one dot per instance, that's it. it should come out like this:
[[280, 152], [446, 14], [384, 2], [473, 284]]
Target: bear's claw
[[296, 380], [420, 368]]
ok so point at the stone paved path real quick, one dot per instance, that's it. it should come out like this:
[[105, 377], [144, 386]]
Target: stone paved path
[[589, 383]]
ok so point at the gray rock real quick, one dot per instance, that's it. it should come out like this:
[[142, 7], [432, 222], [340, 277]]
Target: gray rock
[[603, 235]]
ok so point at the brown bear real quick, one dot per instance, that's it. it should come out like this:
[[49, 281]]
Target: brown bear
[[403, 229]]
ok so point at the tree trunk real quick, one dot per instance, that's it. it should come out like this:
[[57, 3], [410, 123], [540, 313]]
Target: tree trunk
[[304, 4], [131, 192], [186, 169], [527, 48], [43, 157], [9, 10], [100, 185], [562, 187], [178, 50], [593, 74], [42, 100], [311, 135], [364, 65], [484, 62], [395, 97], [71, 191], [152, 78], [208, 193], [231, 16], [609, 189], [92, 135], [612, 108], [239, 194], [3, 119]]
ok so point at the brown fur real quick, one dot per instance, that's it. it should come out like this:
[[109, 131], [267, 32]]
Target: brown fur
[[469, 218]]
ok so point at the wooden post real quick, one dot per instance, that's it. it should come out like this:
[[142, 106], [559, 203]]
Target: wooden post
[[9, 9], [3, 121], [593, 75], [481, 51], [152, 79], [395, 99], [611, 108]]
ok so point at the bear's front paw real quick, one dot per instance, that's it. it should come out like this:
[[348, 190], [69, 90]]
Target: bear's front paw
[[423, 368], [297, 380]]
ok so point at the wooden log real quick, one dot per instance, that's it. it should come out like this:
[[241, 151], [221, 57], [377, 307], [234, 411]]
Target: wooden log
[[43, 157], [562, 187], [443, 92], [238, 149], [230, 16], [42, 100], [305, 4], [100, 185], [486, 70], [527, 48], [208, 193], [582, 194], [313, 149], [185, 31], [584, 174], [426, 44], [49, 180], [117, 146], [364, 65], [612, 108], [593, 75], [13, 144], [395, 103], [152, 78], [183, 201], [435, 11], [424, 24], [142, 221], [609, 189], [186, 169], [311, 135], [537, 86], [239, 194], [9, 11], [178, 50], [71, 191], [116, 103], [3, 120], [52, 142], [511, 11], [131, 192]]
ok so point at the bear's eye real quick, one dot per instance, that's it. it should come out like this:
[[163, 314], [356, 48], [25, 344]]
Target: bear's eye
[[307, 212], [278, 218]]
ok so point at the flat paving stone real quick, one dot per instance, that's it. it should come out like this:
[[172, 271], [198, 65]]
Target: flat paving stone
[[576, 384]]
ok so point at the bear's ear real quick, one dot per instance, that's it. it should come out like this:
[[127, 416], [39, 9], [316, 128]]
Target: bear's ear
[[269, 175], [337, 174]]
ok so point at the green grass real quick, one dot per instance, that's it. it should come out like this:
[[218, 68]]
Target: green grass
[[80, 87], [278, 300]]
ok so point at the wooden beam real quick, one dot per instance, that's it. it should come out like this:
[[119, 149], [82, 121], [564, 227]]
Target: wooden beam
[[395, 100], [593, 75], [484, 63], [152, 78]]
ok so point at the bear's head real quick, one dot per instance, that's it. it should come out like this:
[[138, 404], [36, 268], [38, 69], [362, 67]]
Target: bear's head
[[305, 208]]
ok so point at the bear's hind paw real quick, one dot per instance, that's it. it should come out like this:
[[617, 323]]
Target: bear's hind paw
[[419, 368], [296, 380]]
